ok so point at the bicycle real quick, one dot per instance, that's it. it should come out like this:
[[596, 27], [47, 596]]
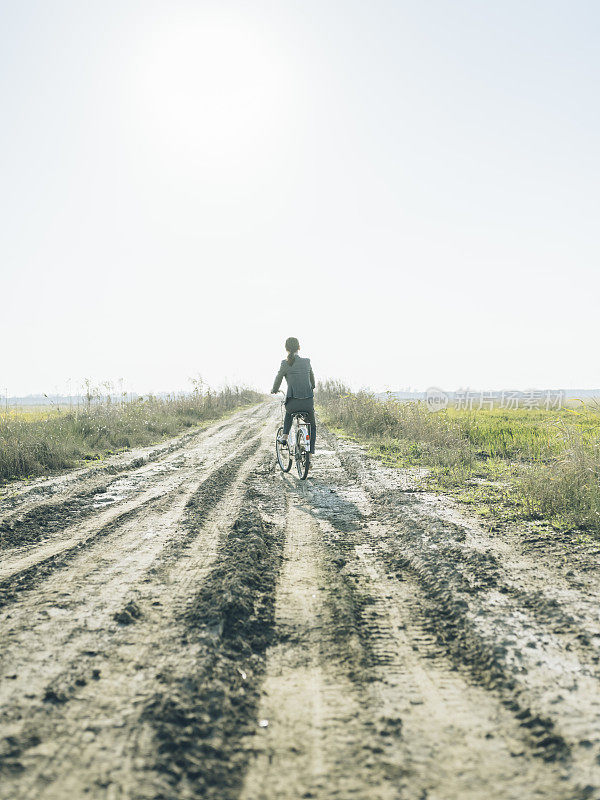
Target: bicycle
[[299, 439]]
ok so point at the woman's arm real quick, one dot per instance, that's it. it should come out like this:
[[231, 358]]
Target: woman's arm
[[279, 377]]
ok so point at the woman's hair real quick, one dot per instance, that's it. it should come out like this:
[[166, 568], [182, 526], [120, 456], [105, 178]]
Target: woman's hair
[[292, 345]]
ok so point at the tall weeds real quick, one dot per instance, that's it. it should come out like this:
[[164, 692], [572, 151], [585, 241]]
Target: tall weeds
[[34, 447], [568, 488], [406, 429], [550, 458]]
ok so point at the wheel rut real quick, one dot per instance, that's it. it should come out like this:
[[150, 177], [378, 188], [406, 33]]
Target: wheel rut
[[358, 676], [509, 641], [22, 567]]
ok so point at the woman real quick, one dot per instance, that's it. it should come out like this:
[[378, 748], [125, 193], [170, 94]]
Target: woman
[[300, 384]]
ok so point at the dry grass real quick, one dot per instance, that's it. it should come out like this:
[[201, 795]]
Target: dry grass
[[35, 443]]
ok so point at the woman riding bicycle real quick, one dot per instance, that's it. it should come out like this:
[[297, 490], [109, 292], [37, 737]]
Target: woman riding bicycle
[[300, 384]]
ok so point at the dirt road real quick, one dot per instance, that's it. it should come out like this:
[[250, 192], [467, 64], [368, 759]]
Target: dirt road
[[187, 622]]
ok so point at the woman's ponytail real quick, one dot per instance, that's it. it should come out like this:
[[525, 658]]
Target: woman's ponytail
[[292, 345]]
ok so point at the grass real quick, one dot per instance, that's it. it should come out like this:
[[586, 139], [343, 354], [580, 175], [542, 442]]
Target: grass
[[41, 441], [509, 464], [30, 413]]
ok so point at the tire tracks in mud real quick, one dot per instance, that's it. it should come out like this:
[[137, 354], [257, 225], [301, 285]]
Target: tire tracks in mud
[[496, 630], [560, 595], [27, 567], [118, 574], [23, 505], [273, 639], [201, 720], [25, 577], [361, 699], [28, 516], [319, 738], [106, 737], [84, 657]]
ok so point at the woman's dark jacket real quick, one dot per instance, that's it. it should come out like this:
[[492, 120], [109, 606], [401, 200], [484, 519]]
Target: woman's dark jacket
[[299, 377]]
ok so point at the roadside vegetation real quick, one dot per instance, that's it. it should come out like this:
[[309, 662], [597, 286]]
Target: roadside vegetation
[[508, 463], [40, 442]]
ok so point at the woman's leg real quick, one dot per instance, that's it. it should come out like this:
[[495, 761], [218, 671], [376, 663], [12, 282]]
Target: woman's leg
[[313, 428], [309, 410], [287, 422]]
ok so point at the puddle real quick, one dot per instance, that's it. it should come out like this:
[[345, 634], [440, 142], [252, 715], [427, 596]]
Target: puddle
[[107, 499], [119, 491]]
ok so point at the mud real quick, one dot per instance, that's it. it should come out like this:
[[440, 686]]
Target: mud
[[202, 719], [186, 621]]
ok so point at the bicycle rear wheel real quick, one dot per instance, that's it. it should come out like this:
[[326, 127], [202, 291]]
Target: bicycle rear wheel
[[284, 457], [302, 457]]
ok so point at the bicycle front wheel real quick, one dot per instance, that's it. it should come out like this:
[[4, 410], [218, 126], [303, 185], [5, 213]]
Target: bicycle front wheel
[[284, 457], [302, 456]]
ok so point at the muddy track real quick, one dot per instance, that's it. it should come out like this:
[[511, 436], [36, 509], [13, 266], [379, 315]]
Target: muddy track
[[197, 624]]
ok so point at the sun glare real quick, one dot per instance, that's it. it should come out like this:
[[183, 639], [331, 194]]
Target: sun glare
[[208, 90]]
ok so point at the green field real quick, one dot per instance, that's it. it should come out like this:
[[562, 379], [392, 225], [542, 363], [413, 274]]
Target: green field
[[508, 463]]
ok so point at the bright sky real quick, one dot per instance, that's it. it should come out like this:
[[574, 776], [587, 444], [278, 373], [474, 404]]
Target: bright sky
[[410, 188]]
